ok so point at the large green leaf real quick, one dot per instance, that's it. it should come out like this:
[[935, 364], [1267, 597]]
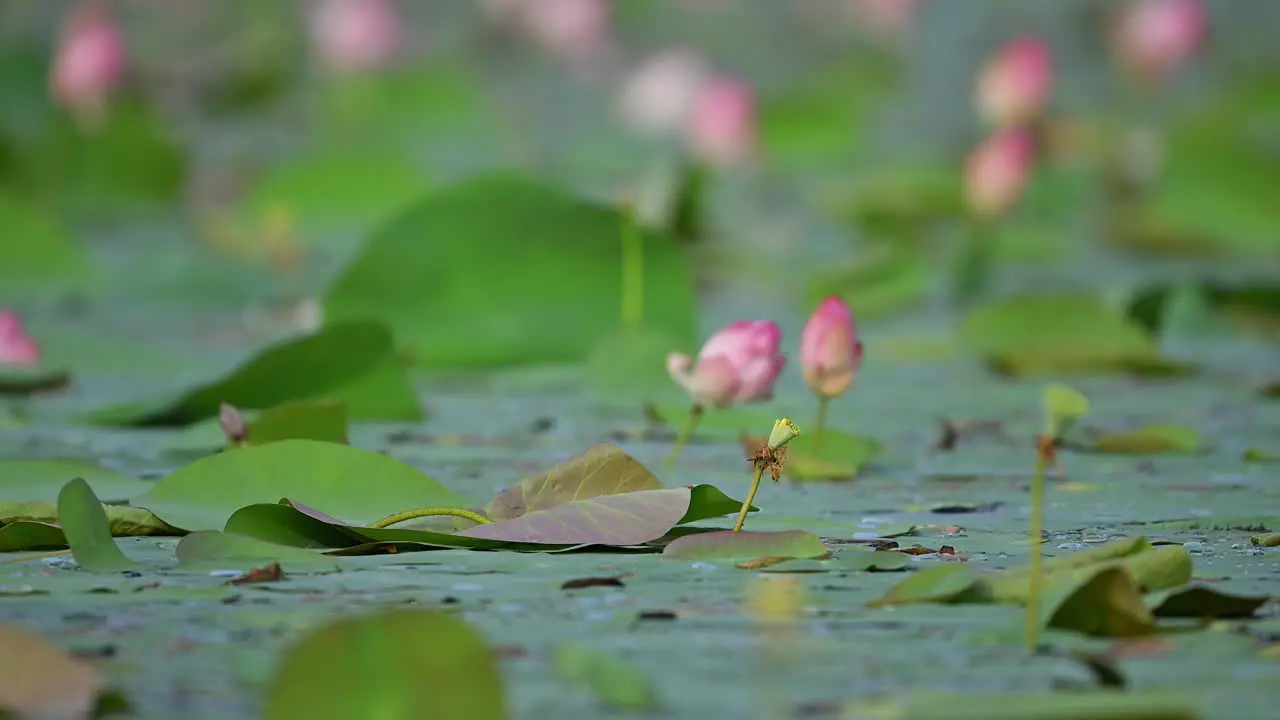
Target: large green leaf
[[30, 381], [357, 484], [331, 187], [475, 275], [35, 250], [617, 683], [395, 665], [131, 161], [87, 530], [353, 362], [220, 550], [42, 480], [293, 420], [1053, 333]]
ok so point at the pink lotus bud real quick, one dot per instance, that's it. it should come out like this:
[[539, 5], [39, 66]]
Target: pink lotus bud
[[660, 93], [997, 171], [89, 62], [830, 351], [16, 346], [721, 129], [736, 365], [1155, 36], [354, 36], [1014, 85], [885, 18]]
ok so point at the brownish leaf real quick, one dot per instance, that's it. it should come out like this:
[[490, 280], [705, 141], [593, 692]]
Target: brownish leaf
[[588, 582], [39, 680], [233, 424], [603, 469]]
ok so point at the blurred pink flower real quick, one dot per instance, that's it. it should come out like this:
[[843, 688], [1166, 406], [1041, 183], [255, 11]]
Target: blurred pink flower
[[997, 172], [885, 17], [88, 64], [354, 36], [1014, 85], [830, 351], [1154, 37], [721, 127], [575, 30], [16, 346], [736, 365], [660, 92]]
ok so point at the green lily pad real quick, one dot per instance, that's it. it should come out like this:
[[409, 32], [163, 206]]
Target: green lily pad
[[36, 252], [847, 561], [889, 278], [87, 530], [293, 420], [840, 456], [1037, 334], [1257, 455], [328, 188], [729, 546], [124, 520], [30, 535], [900, 201], [1199, 601], [940, 584], [362, 485], [616, 682], [29, 381], [1105, 603], [499, 248], [131, 161], [222, 550], [352, 362], [1062, 406], [1149, 440], [42, 480], [409, 664]]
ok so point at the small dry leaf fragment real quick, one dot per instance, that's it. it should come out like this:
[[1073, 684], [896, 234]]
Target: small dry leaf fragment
[[40, 681], [762, 562], [656, 615], [233, 424], [579, 583], [267, 574]]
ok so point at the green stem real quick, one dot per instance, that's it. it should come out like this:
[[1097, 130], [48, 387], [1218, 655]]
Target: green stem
[[822, 423], [400, 517], [746, 505], [632, 269], [1037, 560], [695, 414], [973, 269]]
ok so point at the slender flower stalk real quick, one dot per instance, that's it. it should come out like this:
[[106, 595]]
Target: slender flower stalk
[[632, 268], [739, 364], [771, 456]]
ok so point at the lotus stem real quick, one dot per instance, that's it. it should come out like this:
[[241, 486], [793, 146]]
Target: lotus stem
[[400, 517], [695, 415], [632, 269], [1034, 534], [751, 495], [823, 400]]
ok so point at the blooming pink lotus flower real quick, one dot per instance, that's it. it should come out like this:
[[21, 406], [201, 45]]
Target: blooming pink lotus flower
[[830, 351], [1014, 85], [736, 365], [721, 128], [354, 36], [16, 346], [89, 61], [1154, 37], [997, 171], [659, 95]]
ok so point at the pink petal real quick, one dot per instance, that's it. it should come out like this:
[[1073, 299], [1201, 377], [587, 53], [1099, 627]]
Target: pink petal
[[757, 379], [715, 382]]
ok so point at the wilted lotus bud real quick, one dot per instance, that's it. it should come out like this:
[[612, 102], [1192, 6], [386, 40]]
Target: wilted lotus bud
[[354, 36], [739, 364], [660, 93], [233, 424], [89, 61], [1154, 37], [17, 348], [1013, 87], [721, 128], [997, 172], [830, 351]]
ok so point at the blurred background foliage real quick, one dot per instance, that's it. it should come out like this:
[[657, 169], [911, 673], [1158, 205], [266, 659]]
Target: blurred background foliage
[[468, 193]]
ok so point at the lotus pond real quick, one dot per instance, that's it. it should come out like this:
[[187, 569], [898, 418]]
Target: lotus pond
[[353, 395]]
